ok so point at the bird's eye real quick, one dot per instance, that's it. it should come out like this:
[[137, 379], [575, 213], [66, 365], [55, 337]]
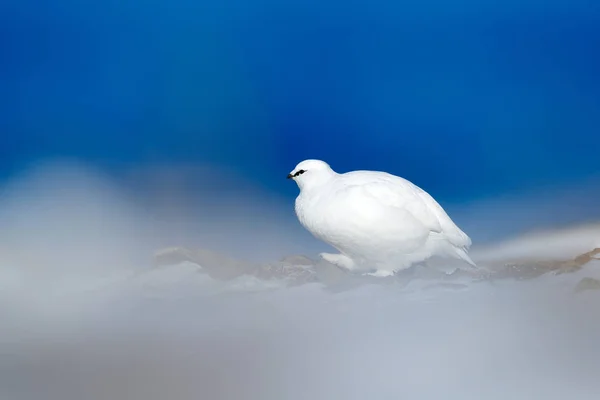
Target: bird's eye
[[299, 172]]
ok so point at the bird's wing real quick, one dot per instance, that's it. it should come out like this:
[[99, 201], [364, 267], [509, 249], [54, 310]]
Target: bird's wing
[[403, 194], [361, 209], [398, 193], [452, 232]]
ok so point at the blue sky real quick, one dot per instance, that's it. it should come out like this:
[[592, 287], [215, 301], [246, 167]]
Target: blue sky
[[469, 99]]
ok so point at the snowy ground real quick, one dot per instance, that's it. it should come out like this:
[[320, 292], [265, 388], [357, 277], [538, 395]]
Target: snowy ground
[[75, 331], [182, 335]]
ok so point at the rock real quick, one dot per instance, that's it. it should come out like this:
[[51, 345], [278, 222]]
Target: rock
[[216, 265], [172, 256], [578, 262], [297, 260], [529, 269], [587, 284], [171, 274], [297, 269]]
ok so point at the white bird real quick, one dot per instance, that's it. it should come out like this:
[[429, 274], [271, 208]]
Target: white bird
[[377, 221]]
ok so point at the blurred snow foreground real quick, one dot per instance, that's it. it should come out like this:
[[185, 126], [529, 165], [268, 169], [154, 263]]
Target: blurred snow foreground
[[202, 324]]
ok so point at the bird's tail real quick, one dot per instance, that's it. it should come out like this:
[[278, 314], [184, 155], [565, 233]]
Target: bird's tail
[[462, 255]]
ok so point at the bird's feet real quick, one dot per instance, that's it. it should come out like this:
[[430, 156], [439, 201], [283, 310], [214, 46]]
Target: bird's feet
[[339, 260]]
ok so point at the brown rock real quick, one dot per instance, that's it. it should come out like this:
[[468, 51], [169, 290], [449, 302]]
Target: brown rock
[[297, 260], [216, 265], [296, 269], [529, 269]]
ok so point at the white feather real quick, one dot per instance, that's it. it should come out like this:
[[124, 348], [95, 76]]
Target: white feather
[[374, 219]]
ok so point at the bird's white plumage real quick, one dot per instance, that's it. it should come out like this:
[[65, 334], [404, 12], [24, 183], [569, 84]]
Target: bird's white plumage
[[377, 221]]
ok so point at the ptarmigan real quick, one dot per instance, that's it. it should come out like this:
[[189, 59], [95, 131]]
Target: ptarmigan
[[380, 223]]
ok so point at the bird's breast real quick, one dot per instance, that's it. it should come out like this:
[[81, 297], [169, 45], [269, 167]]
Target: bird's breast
[[327, 220], [314, 215]]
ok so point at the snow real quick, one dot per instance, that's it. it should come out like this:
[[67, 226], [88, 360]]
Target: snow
[[176, 333], [124, 332]]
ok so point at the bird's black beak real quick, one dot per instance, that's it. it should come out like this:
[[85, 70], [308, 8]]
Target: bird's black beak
[[290, 176]]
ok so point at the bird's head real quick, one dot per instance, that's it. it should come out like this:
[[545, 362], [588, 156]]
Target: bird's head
[[311, 173]]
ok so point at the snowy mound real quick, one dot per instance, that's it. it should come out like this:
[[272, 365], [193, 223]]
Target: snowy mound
[[198, 324]]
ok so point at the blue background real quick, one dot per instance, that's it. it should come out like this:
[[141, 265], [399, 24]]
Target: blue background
[[469, 99]]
